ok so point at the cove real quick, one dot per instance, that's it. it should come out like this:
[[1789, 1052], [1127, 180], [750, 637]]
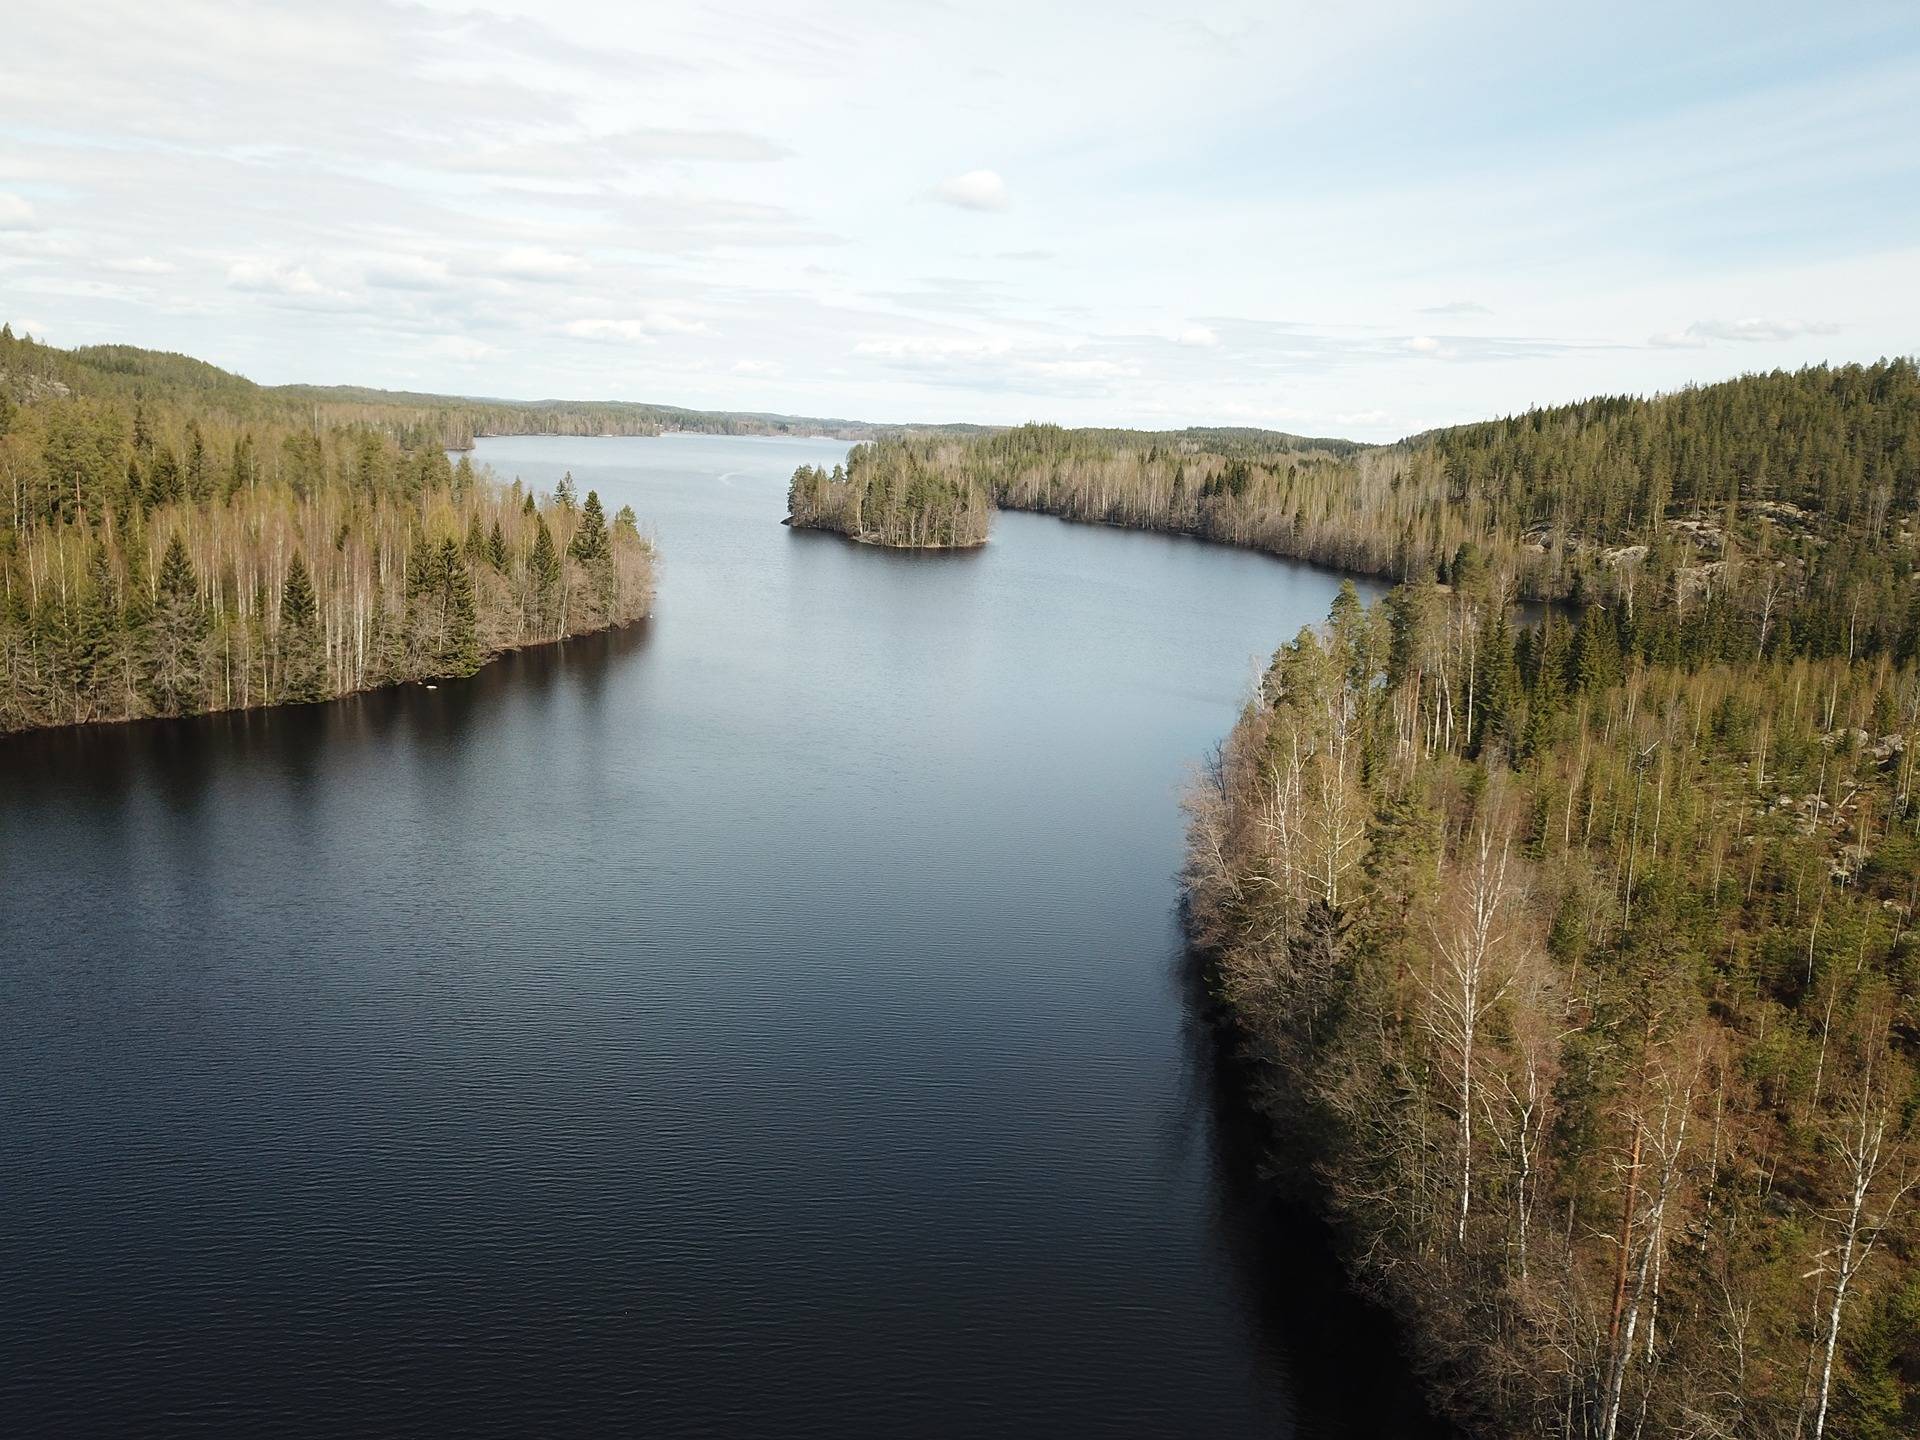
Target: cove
[[770, 1019]]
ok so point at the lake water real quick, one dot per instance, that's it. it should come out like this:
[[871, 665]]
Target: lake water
[[769, 1020]]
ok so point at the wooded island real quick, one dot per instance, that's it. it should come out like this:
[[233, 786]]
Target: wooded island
[[901, 494]]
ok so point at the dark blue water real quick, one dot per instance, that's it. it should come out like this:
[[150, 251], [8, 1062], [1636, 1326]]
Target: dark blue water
[[768, 1020]]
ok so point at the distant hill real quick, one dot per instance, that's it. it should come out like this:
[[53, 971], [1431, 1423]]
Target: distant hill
[[128, 371]]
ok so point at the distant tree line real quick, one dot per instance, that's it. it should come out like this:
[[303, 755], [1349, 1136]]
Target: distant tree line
[[908, 496], [417, 420], [161, 555], [1776, 511]]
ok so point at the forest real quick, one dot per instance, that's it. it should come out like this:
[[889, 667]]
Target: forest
[[175, 539], [451, 422], [1779, 508], [1577, 964], [1576, 961], [894, 493]]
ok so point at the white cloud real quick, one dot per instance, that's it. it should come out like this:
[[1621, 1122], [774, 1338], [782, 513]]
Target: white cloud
[[933, 349], [632, 332], [975, 190], [139, 265], [1045, 364], [533, 262], [639, 330], [463, 349], [535, 175], [16, 213], [1753, 330], [763, 368], [407, 272], [274, 277]]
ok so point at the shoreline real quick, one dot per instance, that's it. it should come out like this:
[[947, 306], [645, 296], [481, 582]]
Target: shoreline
[[425, 681], [879, 544]]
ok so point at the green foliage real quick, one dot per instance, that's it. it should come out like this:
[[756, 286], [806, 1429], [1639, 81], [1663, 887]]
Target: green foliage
[[590, 542], [894, 493], [175, 539], [303, 661], [176, 635], [1776, 514], [544, 577], [1684, 930]]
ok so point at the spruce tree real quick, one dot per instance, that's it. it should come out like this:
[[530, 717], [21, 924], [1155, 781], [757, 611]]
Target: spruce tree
[[94, 638], [163, 480], [460, 640], [544, 579], [590, 540], [199, 476], [176, 634], [303, 658]]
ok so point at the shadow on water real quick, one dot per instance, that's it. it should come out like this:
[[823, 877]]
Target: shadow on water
[[765, 1024], [890, 554], [180, 759], [1283, 1254]]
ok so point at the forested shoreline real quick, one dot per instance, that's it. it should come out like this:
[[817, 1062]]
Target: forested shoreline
[[1579, 959], [180, 545], [1776, 494], [892, 493]]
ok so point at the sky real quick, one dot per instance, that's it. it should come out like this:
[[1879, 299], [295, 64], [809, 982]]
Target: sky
[[1364, 219]]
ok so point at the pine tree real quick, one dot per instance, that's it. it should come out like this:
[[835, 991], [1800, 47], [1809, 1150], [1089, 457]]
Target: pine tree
[[460, 643], [94, 639], [163, 480], [544, 578], [590, 541], [1498, 718], [199, 473], [241, 472], [176, 635], [386, 642], [303, 658]]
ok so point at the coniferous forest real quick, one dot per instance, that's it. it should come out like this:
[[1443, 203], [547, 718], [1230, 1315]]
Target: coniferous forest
[[1577, 962], [1574, 961], [175, 540], [895, 493], [1774, 514]]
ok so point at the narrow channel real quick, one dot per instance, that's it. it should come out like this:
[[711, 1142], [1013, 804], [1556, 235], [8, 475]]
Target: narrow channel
[[771, 1019]]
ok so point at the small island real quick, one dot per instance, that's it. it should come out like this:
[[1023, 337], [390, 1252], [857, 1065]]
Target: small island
[[896, 494]]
